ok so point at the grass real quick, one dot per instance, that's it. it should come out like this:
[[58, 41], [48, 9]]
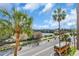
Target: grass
[[72, 51], [4, 48]]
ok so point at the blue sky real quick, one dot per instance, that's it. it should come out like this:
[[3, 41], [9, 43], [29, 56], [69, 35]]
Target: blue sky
[[42, 14]]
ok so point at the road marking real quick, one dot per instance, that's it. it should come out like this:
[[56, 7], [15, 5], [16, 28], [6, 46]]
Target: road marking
[[29, 51], [42, 51], [33, 50]]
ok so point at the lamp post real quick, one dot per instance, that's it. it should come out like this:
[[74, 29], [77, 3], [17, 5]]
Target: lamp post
[[78, 26]]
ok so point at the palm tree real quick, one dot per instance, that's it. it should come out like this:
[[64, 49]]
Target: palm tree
[[5, 31], [59, 15], [18, 22]]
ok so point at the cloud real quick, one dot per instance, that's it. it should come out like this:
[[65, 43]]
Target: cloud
[[9, 6], [70, 20], [43, 26], [52, 24], [69, 4], [6, 5], [70, 24], [31, 6], [47, 8]]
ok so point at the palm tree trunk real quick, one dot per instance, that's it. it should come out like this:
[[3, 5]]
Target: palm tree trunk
[[59, 34], [17, 44], [17, 40]]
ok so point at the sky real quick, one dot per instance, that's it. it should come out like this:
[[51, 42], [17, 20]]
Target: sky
[[42, 14]]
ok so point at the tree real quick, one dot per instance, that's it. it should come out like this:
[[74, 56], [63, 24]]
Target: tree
[[74, 35], [66, 38], [5, 31], [37, 36], [18, 22], [59, 15]]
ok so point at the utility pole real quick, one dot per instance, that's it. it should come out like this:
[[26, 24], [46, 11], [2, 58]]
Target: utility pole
[[77, 25]]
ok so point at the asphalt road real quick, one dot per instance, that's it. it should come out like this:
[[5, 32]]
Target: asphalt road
[[44, 49]]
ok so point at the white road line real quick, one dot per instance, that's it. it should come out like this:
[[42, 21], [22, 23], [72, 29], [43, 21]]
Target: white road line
[[28, 51], [42, 51]]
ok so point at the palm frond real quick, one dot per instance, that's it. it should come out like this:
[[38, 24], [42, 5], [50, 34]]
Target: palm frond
[[5, 22], [59, 14], [5, 12]]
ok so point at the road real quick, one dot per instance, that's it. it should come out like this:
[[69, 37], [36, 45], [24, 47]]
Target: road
[[44, 49]]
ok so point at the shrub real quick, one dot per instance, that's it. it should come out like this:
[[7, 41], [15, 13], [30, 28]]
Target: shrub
[[72, 51], [37, 35]]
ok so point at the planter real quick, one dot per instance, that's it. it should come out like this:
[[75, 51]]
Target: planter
[[63, 49]]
